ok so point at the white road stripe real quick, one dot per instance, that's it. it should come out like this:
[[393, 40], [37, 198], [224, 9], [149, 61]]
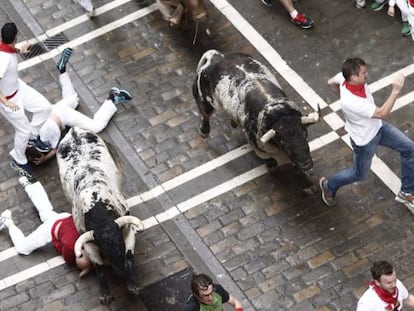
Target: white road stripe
[[88, 37], [72, 23]]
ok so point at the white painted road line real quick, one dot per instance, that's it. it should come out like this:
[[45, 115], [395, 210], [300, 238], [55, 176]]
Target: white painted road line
[[88, 37]]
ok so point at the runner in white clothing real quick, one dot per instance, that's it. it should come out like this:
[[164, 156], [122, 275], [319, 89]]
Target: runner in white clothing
[[64, 114], [385, 292], [16, 97], [88, 6]]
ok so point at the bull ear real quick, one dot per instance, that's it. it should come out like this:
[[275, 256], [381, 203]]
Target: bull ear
[[268, 136], [84, 238], [124, 220], [313, 117]]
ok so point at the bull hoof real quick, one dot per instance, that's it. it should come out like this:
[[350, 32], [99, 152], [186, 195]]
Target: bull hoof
[[203, 134], [271, 164], [134, 289], [311, 190], [106, 299], [233, 124]]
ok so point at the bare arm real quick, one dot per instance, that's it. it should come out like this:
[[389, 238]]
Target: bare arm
[[333, 86], [409, 301], [384, 111], [234, 302]]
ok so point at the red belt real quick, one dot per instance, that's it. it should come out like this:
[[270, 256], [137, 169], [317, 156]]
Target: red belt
[[11, 96]]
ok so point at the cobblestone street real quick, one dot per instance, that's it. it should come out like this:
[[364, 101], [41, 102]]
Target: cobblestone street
[[210, 205]]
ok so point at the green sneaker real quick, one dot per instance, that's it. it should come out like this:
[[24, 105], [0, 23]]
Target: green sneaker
[[375, 6], [405, 30]]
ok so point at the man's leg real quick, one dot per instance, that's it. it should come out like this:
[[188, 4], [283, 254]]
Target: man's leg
[[395, 139], [362, 158], [101, 118], [25, 245], [35, 103], [39, 198], [69, 95]]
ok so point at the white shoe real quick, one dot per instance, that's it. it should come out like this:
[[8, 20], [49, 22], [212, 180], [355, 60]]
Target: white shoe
[[23, 181], [5, 219], [360, 4], [91, 13]]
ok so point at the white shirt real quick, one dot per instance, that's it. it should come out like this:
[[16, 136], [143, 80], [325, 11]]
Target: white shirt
[[9, 80], [370, 300], [358, 113]]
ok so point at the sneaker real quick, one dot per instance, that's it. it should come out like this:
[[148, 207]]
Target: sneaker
[[5, 219], [407, 199], [63, 60], [23, 170], [91, 14], [23, 181], [267, 2], [31, 142], [375, 6], [302, 21], [119, 96], [42, 146], [327, 197], [360, 4], [405, 30]]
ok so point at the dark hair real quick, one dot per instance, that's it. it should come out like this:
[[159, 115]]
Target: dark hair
[[200, 281], [381, 268], [8, 33], [351, 67]]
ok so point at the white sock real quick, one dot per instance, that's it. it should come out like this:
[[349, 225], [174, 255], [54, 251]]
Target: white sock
[[293, 14]]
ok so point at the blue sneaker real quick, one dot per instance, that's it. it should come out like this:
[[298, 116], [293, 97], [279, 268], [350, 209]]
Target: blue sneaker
[[119, 96], [42, 146], [31, 143], [23, 170], [63, 60]]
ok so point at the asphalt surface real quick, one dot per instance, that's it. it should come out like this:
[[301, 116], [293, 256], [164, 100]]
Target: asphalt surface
[[256, 232]]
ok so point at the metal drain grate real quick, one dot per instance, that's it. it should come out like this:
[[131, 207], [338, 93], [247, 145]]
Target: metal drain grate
[[47, 45]]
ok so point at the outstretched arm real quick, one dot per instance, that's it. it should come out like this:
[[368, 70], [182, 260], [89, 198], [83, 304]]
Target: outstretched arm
[[235, 303]]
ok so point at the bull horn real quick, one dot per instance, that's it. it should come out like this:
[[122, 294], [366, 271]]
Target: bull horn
[[313, 117], [268, 136], [124, 220], [84, 238]]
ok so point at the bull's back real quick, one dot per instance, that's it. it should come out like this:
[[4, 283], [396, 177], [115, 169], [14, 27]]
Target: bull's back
[[86, 167], [236, 84]]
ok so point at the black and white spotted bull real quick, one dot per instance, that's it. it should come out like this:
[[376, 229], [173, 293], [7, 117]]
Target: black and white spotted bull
[[249, 94], [91, 182]]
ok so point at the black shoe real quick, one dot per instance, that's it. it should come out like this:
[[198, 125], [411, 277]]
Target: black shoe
[[23, 170], [119, 96], [267, 2], [42, 146], [63, 60]]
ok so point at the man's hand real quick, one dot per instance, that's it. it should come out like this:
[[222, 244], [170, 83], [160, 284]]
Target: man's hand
[[25, 49], [11, 106], [391, 11], [398, 83]]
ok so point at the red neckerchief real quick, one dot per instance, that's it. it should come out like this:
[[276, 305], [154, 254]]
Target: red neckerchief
[[7, 48], [356, 89], [390, 299], [411, 2]]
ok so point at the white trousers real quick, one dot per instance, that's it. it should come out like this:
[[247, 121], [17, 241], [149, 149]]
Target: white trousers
[[86, 4], [68, 116], [28, 99], [65, 109], [407, 14], [42, 235]]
